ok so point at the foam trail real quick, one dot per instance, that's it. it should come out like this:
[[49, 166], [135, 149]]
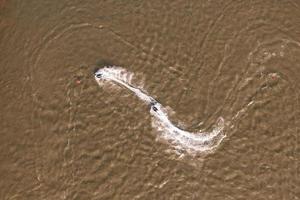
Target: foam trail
[[191, 142]]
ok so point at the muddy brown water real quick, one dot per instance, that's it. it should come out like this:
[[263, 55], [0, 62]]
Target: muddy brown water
[[64, 137]]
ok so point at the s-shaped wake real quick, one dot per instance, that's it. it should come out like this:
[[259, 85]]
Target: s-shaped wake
[[185, 141]]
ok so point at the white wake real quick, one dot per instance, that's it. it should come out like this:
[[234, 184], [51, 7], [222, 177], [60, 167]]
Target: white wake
[[190, 142]]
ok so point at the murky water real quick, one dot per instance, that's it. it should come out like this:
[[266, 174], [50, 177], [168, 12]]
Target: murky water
[[64, 137]]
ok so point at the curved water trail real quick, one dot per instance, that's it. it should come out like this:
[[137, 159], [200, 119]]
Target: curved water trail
[[184, 141]]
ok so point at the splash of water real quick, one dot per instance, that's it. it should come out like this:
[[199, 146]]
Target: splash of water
[[191, 142]]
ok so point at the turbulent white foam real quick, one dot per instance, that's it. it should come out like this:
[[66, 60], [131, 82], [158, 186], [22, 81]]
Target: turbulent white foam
[[191, 142]]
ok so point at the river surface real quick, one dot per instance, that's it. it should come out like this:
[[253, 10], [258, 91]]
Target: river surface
[[64, 136]]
